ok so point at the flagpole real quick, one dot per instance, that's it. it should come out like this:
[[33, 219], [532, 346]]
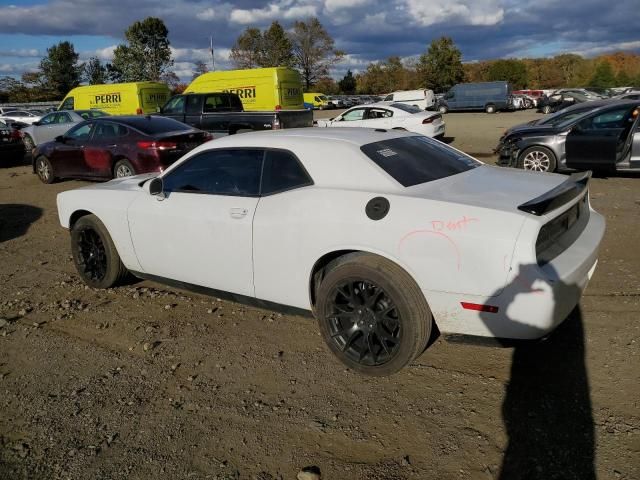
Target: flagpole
[[213, 63]]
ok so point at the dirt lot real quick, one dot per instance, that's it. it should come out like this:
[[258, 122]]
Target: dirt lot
[[146, 382]]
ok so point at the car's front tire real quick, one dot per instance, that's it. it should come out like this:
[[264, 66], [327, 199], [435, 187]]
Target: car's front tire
[[372, 314], [44, 170], [95, 255], [537, 159], [546, 109]]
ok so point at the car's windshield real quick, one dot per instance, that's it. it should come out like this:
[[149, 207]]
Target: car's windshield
[[417, 159], [406, 108], [562, 116]]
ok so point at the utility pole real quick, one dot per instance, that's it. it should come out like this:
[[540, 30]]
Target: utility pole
[[213, 62]]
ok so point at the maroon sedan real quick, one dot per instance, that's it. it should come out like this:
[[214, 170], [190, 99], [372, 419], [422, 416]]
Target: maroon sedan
[[108, 147]]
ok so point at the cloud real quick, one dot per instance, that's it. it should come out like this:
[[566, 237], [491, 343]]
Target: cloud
[[368, 30]]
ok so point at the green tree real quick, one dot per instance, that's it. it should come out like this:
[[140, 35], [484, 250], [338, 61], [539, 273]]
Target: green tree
[[348, 83], [603, 76], [147, 54], [570, 66], [276, 47], [61, 69], [623, 79], [313, 50], [246, 52], [201, 68], [441, 66], [511, 70], [95, 73]]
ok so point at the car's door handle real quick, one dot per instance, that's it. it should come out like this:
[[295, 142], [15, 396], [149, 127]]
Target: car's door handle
[[238, 212]]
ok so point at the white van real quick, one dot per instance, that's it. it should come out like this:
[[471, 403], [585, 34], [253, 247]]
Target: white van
[[422, 99]]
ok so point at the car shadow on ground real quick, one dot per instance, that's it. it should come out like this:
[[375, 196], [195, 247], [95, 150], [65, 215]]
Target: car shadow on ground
[[547, 407], [16, 161], [15, 220]]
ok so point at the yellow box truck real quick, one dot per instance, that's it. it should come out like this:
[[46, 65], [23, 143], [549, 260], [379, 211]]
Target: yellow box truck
[[118, 98], [277, 88]]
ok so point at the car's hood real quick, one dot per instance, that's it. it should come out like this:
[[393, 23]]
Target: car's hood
[[123, 184], [531, 130], [490, 187]]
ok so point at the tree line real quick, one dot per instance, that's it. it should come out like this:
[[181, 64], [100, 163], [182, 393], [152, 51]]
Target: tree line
[[308, 47]]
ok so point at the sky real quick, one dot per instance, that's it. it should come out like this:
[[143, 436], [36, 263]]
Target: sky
[[367, 30]]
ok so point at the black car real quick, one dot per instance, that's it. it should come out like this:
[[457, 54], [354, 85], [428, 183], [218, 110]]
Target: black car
[[560, 101], [11, 145], [605, 138]]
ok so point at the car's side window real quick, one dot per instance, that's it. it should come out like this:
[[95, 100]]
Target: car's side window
[[108, 130], [48, 119], [379, 113], [80, 133], [356, 114], [63, 118], [283, 171], [611, 119], [218, 172]]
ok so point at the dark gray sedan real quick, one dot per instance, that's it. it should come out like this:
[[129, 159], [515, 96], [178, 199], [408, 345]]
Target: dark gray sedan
[[605, 138], [55, 124]]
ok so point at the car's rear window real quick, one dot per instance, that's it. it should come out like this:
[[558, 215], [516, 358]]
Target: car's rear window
[[414, 160], [154, 125], [89, 114], [406, 108]]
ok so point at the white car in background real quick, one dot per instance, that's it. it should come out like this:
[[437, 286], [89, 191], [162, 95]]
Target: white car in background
[[389, 115], [22, 116], [54, 124], [384, 235]]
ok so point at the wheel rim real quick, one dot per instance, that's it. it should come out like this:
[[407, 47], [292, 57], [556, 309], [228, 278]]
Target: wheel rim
[[364, 322], [537, 161], [43, 170], [123, 171], [28, 143], [92, 255]]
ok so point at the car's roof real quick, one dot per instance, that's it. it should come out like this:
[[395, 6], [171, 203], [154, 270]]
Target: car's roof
[[353, 135]]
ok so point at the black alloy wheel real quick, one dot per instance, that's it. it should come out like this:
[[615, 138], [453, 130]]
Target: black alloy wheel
[[95, 255], [92, 255], [371, 313], [364, 322]]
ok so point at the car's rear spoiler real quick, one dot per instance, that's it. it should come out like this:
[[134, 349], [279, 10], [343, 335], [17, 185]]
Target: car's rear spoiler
[[558, 196]]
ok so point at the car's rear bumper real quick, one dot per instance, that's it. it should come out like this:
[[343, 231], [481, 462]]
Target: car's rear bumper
[[534, 303]]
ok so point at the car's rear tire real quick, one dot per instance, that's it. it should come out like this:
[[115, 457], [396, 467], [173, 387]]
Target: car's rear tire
[[490, 108], [123, 168], [29, 144], [546, 109], [95, 255], [44, 170], [537, 159], [443, 109], [372, 314]]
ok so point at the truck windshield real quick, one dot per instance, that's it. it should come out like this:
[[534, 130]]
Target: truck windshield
[[418, 159]]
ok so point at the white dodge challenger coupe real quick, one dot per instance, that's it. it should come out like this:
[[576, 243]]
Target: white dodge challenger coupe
[[386, 236], [389, 115]]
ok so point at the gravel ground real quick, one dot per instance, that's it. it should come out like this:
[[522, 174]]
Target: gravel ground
[[147, 382]]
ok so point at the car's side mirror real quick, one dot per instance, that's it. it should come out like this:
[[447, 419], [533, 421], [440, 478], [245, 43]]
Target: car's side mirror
[[60, 139], [156, 186], [36, 124]]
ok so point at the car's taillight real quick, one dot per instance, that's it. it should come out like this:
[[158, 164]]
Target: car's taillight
[[139, 111], [206, 137], [145, 145], [278, 108], [16, 134], [431, 119]]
